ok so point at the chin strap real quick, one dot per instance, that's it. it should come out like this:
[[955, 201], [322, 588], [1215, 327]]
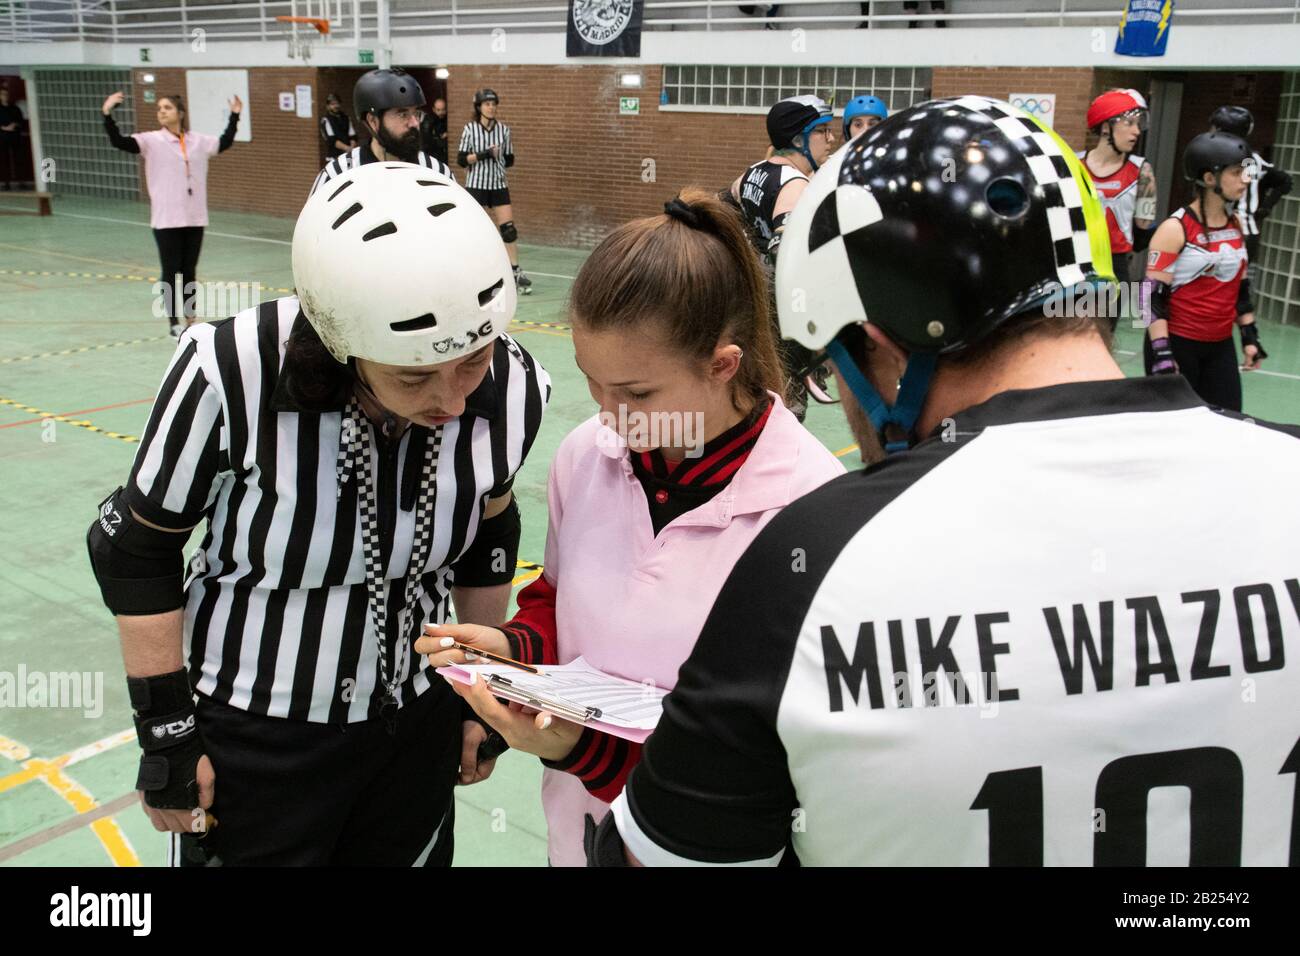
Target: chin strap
[[902, 415]]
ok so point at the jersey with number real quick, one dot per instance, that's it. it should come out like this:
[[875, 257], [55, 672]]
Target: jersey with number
[[1118, 193], [1207, 276], [759, 188], [985, 651]]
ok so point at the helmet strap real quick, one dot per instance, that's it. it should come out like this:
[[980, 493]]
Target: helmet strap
[[896, 425], [391, 424]]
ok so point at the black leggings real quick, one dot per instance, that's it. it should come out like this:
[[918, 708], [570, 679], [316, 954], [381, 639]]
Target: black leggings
[[178, 251], [10, 143], [1209, 367]]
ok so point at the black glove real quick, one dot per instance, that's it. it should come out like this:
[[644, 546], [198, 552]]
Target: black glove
[[1162, 360], [165, 724]]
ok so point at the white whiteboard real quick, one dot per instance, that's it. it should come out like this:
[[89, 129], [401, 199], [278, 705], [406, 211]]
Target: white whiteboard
[[207, 93]]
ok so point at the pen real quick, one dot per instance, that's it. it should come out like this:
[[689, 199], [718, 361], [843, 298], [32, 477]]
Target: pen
[[479, 652]]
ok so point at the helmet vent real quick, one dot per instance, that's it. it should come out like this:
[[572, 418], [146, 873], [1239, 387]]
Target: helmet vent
[[490, 293], [429, 182], [419, 324], [1007, 198], [440, 208], [347, 214], [387, 229], [339, 190]]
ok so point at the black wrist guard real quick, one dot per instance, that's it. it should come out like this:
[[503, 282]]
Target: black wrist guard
[[1250, 336], [168, 733]]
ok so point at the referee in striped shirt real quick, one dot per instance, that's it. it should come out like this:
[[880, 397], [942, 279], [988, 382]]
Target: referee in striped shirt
[[487, 152], [349, 454], [390, 104]]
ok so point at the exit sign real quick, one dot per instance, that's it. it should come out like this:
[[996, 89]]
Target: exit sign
[[366, 56], [629, 105]]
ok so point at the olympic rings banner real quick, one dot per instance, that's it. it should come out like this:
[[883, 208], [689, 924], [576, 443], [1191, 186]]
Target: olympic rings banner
[[1041, 106], [604, 28], [1144, 28]]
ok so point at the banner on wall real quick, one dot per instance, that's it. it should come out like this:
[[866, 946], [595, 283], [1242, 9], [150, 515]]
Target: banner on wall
[[1041, 106], [1144, 28], [604, 28]]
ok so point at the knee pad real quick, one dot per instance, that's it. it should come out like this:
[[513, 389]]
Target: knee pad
[[508, 232]]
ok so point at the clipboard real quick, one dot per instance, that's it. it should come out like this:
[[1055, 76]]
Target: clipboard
[[576, 692]]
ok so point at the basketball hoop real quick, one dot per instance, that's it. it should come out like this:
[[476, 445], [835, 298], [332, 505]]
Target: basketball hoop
[[301, 49]]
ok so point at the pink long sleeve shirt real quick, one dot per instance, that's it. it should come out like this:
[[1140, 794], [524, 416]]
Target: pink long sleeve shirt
[[632, 603]]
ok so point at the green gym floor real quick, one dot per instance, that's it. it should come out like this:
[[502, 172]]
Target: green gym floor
[[80, 358]]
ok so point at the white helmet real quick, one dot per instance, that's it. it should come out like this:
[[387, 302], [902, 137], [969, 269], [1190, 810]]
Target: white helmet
[[397, 264]]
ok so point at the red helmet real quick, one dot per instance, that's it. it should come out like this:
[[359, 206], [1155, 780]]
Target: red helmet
[[1113, 103]]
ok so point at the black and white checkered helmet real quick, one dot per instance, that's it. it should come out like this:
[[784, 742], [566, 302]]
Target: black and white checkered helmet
[[938, 225]]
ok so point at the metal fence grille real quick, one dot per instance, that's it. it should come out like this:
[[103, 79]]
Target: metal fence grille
[[72, 133], [1277, 275]]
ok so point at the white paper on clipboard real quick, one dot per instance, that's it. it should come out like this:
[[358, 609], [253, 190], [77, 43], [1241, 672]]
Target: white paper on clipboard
[[625, 708]]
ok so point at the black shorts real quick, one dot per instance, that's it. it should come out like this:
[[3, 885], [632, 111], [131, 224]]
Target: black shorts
[[490, 197], [294, 793]]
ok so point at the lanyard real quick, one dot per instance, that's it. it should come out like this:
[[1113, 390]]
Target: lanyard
[[355, 443], [185, 154]]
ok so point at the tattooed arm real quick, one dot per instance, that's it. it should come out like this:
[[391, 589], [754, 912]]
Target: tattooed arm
[[1145, 214]]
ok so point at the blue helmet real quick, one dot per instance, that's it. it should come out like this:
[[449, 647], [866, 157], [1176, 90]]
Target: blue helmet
[[863, 106]]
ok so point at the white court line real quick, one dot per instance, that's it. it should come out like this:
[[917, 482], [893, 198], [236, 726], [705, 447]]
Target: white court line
[[99, 747], [1258, 371], [145, 225], [236, 235]]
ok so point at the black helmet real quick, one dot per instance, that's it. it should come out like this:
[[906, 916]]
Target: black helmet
[[938, 225], [1213, 153], [795, 116], [482, 96], [1233, 119], [381, 90]]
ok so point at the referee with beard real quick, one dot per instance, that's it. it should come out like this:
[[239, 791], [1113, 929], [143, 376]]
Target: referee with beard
[[349, 459], [390, 104]]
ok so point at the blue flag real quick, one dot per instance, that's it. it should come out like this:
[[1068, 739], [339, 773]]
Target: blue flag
[[1144, 28]]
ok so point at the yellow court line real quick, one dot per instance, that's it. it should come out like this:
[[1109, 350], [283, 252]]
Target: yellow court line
[[108, 832], [13, 750], [120, 276], [844, 451], [79, 423], [83, 348]]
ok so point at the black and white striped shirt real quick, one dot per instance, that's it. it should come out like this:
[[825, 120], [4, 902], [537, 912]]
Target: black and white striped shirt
[[486, 172], [363, 155], [276, 614]]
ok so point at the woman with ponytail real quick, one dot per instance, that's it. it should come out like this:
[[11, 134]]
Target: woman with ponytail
[[653, 499]]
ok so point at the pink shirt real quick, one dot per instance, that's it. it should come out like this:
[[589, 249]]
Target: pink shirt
[[171, 206], [633, 604]]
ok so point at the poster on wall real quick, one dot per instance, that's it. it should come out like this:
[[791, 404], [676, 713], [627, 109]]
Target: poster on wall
[[208, 93], [604, 28], [1144, 28], [1041, 106]]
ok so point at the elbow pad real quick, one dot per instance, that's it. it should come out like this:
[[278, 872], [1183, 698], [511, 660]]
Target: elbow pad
[[1142, 238], [139, 569], [462, 159], [492, 558]]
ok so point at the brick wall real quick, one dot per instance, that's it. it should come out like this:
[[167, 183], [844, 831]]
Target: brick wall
[[1073, 88], [580, 167], [272, 173]]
